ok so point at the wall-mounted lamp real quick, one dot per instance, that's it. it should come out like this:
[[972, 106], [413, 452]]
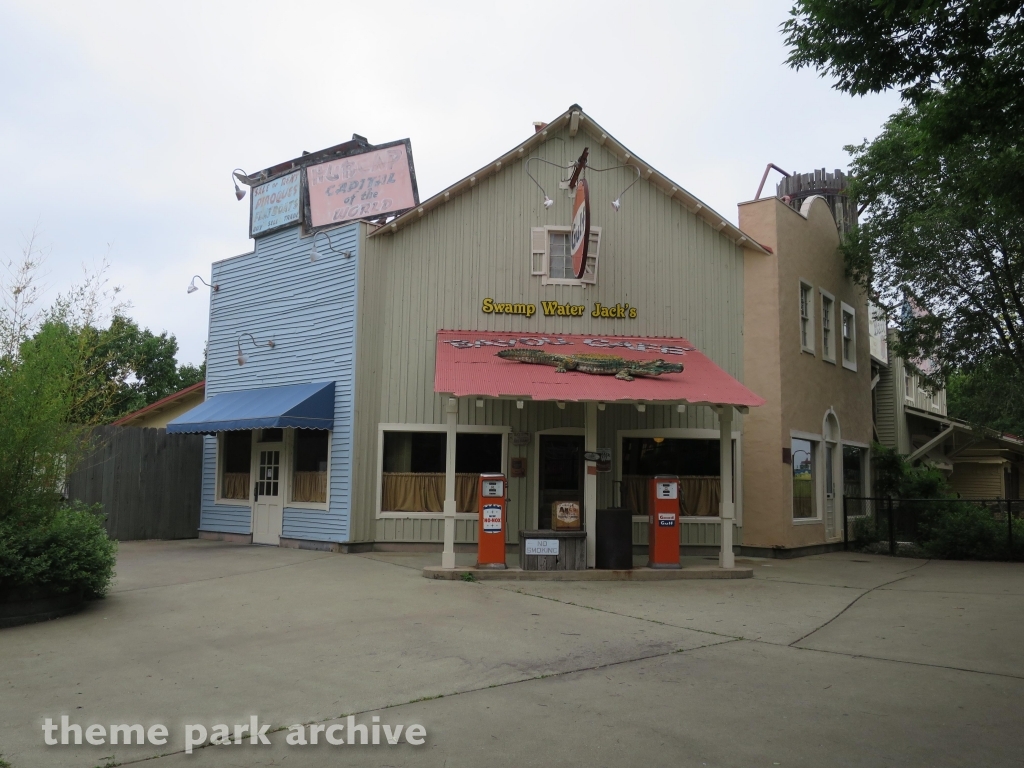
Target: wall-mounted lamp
[[241, 357], [548, 202], [314, 254], [239, 175], [192, 287], [617, 202]]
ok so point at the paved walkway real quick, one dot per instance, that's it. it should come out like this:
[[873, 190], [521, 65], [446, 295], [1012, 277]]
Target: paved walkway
[[839, 659]]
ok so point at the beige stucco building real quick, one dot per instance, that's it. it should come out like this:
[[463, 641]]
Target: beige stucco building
[[156, 415], [806, 352]]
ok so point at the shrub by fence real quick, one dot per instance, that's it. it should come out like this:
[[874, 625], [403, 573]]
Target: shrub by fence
[[148, 482], [955, 529]]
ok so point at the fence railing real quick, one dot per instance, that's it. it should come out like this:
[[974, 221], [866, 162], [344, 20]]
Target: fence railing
[[988, 523]]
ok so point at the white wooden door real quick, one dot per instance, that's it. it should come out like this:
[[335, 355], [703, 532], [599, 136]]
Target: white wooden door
[[268, 506], [830, 492]]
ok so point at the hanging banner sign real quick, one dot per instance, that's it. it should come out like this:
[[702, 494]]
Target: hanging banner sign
[[362, 186], [579, 238], [275, 204]]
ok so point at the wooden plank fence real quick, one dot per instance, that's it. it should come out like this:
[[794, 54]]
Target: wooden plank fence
[[149, 482]]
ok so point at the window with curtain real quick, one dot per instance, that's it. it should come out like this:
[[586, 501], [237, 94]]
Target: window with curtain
[[235, 461], [805, 503], [696, 462], [309, 472], [414, 469]]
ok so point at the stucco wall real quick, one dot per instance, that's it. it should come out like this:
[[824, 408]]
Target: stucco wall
[[803, 386]]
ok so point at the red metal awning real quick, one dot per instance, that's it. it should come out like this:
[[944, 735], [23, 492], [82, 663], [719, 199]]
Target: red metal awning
[[467, 365]]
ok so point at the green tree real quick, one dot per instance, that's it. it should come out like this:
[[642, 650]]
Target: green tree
[[991, 394], [944, 182]]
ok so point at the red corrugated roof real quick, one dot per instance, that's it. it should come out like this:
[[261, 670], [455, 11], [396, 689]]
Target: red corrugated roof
[[467, 365]]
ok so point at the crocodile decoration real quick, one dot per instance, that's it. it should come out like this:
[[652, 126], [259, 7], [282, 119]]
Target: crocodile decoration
[[596, 363]]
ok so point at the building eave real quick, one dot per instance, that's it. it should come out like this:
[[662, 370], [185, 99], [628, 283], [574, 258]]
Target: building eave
[[583, 122]]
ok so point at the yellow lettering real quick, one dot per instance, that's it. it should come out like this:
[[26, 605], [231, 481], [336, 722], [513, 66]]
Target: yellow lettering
[[597, 309], [530, 309], [519, 309], [632, 313], [562, 310], [549, 307], [605, 312], [488, 306]]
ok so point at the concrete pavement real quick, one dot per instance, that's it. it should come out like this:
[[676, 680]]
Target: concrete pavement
[[838, 659]]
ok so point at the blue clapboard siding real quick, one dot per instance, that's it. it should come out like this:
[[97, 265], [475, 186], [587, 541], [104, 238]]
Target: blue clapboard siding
[[309, 310]]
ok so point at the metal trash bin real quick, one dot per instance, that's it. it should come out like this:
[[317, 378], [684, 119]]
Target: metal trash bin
[[614, 534]]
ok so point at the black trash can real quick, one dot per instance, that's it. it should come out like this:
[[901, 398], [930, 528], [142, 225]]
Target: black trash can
[[614, 539]]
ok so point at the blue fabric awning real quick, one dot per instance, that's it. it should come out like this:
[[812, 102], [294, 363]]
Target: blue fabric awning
[[306, 406]]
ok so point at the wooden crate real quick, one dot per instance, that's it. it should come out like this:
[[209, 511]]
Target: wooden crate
[[572, 551]]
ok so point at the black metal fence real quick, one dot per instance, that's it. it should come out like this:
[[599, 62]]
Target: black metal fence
[[987, 529]]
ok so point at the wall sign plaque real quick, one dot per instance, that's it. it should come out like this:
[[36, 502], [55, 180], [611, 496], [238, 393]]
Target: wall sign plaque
[[276, 204], [362, 186]]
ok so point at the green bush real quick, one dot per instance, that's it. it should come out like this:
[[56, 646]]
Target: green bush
[[66, 552]]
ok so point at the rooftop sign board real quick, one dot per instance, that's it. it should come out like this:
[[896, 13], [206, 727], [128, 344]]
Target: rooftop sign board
[[276, 204], [376, 183]]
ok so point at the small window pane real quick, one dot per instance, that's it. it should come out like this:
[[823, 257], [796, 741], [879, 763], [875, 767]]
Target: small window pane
[[561, 260]]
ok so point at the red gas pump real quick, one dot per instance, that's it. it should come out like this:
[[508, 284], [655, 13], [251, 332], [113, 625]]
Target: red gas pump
[[663, 540], [490, 533]]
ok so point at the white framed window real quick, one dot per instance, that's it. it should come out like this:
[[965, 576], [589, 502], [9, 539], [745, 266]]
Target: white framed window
[[848, 333], [624, 471], [804, 460], [411, 467], [308, 467], [550, 257], [908, 384], [234, 463], [828, 310], [806, 317]]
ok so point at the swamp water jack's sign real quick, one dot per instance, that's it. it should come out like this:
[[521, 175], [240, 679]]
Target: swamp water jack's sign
[[556, 309]]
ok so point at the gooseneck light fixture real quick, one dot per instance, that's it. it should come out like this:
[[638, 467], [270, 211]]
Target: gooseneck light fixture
[[238, 175], [314, 254], [192, 287], [579, 169], [241, 356]]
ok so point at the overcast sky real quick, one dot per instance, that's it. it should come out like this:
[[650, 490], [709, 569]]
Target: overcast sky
[[121, 122]]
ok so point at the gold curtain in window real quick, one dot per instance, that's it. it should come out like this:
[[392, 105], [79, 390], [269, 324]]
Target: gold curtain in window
[[235, 485], [309, 486], [700, 495], [424, 492]]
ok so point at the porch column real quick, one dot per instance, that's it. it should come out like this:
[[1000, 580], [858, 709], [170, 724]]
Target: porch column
[[590, 484], [727, 509], [452, 417]]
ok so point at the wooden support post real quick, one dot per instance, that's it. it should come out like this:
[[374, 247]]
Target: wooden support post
[[728, 507], [590, 484], [452, 417]]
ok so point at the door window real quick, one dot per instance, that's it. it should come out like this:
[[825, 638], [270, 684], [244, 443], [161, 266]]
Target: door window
[[268, 477], [829, 486]]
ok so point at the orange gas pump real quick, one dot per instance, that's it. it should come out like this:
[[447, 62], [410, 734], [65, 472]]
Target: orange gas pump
[[490, 533], [663, 541]]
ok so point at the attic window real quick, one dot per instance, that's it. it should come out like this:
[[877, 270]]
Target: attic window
[[551, 261]]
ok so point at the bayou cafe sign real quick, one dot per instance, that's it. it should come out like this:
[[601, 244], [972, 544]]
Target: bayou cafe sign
[[557, 309]]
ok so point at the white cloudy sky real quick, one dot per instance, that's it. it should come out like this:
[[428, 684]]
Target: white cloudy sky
[[120, 122]]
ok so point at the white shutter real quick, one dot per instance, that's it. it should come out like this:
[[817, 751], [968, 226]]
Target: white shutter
[[590, 271], [538, 251]]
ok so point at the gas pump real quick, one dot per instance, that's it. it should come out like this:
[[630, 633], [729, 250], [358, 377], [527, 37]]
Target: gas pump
[[490, 534], [663, 541]]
